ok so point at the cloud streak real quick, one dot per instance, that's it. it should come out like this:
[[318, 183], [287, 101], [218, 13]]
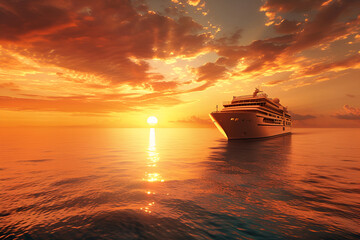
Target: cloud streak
[[348, 113], [195, 120], [302, 117]]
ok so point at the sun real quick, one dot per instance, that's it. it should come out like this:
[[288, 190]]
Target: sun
[[152, 120]]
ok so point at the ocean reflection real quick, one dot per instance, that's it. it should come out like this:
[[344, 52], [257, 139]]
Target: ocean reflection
[[151, 175], [265, 186], [107, 184], [153, 155], [263, 157], [153, 159]]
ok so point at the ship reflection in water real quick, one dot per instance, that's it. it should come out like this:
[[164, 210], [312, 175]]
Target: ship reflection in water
[[188, 184]]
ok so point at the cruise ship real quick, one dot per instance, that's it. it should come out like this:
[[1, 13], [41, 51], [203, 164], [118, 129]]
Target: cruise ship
[[252, 116]]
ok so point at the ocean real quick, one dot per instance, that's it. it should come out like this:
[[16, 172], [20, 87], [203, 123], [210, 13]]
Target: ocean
[[82, 183]]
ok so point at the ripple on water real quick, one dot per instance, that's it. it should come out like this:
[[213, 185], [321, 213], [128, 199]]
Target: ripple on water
[[303, 186]]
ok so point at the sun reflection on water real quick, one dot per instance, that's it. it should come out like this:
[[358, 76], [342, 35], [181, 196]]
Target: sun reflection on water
[[153, 158], [151, 176]]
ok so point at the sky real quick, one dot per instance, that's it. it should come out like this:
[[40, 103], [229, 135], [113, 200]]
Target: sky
[[114, 63]]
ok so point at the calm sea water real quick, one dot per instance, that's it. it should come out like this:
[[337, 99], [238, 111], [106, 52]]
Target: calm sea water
[[178, 184]]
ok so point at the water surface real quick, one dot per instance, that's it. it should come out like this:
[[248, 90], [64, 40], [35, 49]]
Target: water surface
[[77, 183]]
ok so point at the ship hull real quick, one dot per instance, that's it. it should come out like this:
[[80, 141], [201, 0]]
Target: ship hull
[[246, 125]]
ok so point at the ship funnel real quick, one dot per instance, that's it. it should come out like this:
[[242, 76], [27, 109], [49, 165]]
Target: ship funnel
[[256, 92]]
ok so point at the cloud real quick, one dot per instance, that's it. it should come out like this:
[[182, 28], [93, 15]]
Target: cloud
[[95, 47], [210, 72], [291, 5], [19, 18], [301, 117], [286, 26], [159, 86], [12, 63], [326, 19], [230, 40], [193, 2], [348, 112], [274, 82], [256, 56], [9, 85], [350, 95], [285, 53], [104, 47], [195, 121], [344, 64], [108, 39], [274, 8], [87, 103]]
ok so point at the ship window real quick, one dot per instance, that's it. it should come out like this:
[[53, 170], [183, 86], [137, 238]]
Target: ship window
[[232, 119], [236, 119], [268, 120]]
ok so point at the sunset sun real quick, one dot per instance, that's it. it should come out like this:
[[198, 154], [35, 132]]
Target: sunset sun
[[152, 120]]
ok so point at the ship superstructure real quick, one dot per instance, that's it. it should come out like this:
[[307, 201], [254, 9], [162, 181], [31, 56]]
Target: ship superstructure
[[252, 116]]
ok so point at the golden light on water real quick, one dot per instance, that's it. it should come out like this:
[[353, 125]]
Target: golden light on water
[[152, 120], [152, 144], [153, 157]]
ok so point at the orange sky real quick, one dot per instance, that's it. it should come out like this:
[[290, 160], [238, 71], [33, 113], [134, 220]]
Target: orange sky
[[114, 63]]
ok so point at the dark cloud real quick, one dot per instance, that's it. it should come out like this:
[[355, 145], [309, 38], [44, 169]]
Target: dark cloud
[[301, 117], [286, 26], [325, 27], [19, 18], [328, 24], [108, 39], [350, 95], [256, 56], [348, 112], [349, 62], [210, 72], [291, 5], [230, 40], [173, 11]]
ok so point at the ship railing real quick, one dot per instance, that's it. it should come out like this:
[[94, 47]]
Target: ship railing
[[226, 102]]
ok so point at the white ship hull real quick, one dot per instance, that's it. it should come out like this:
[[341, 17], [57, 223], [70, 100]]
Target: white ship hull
[[245, 125]]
